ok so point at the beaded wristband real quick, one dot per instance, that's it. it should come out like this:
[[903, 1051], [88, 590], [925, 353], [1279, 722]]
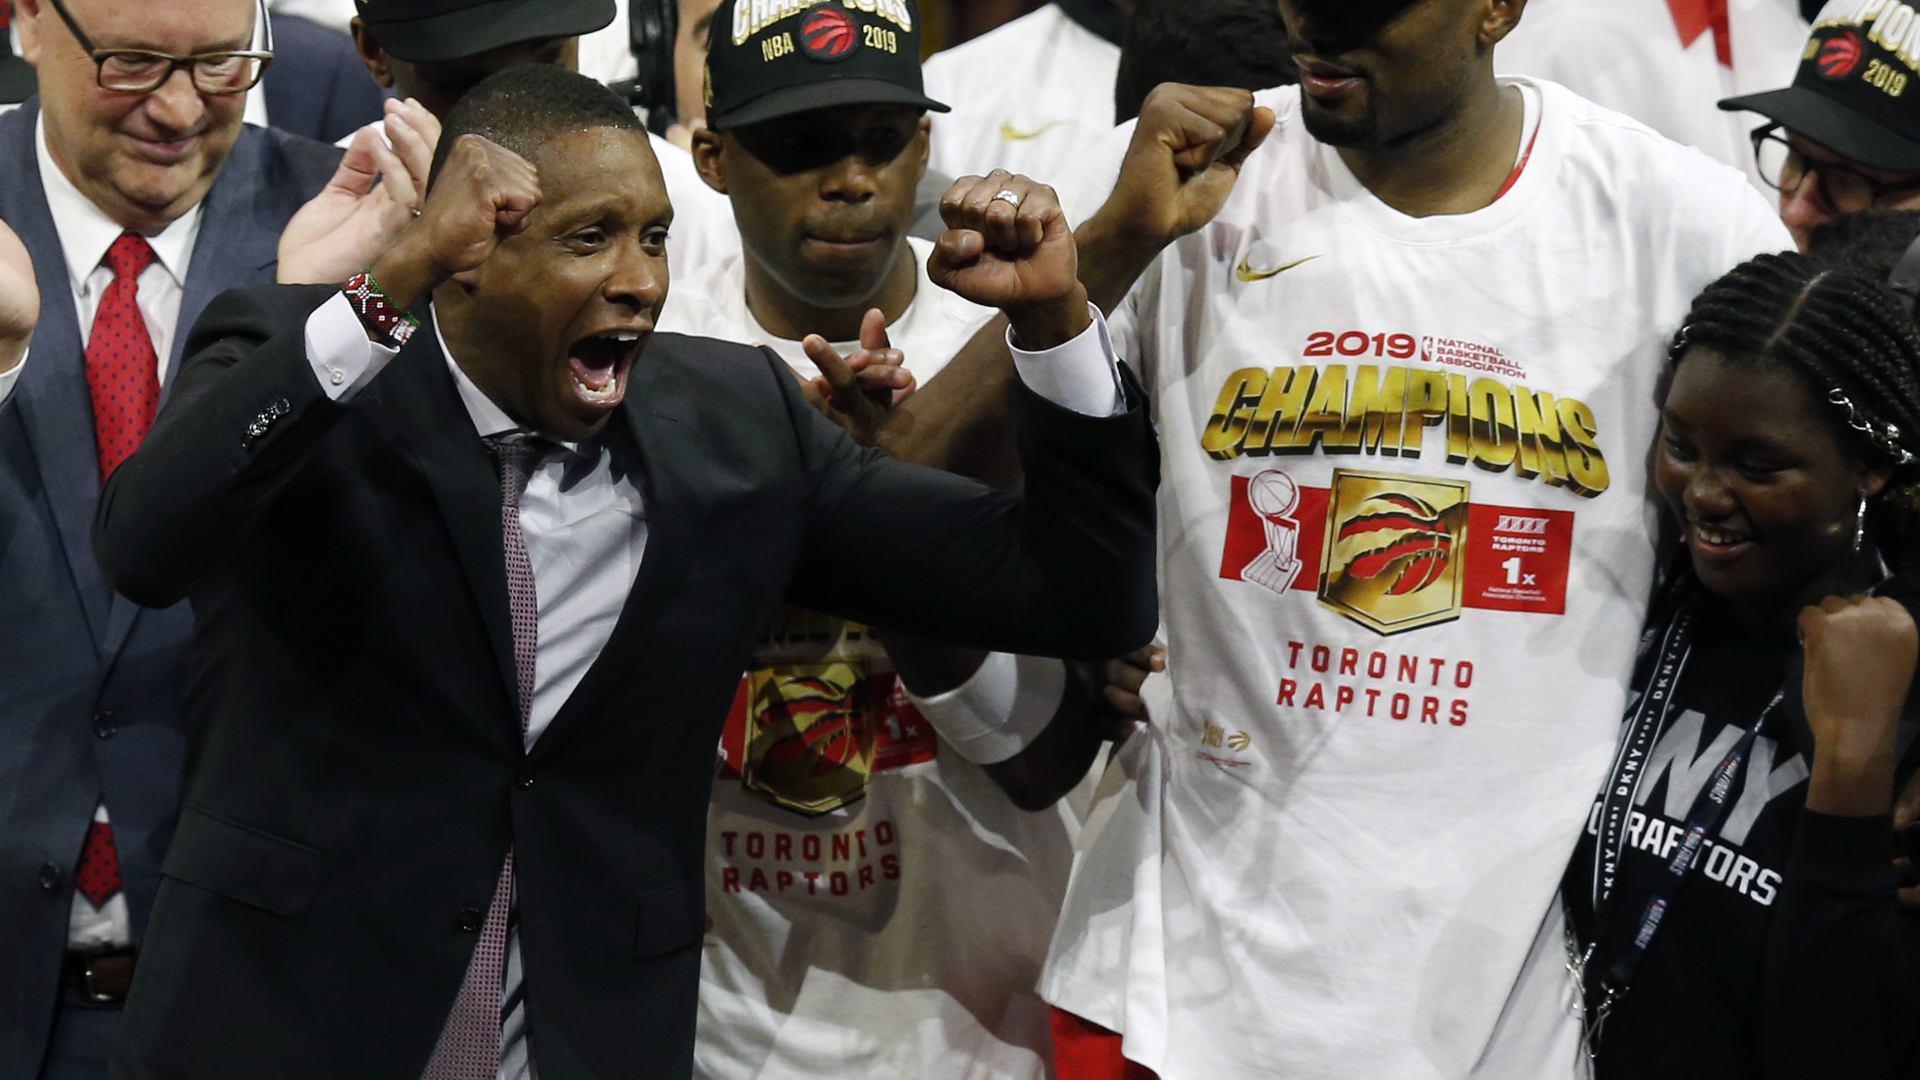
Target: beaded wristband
[[393, 325]]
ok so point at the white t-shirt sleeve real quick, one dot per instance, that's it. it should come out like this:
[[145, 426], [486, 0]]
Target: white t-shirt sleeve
[[1001, 708], [1757, 227], [344, 359]]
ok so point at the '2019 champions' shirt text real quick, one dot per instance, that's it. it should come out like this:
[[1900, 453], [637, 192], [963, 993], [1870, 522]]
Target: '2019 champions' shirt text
[[1406, 552]]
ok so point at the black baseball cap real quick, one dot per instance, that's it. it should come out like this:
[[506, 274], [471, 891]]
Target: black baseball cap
[[1849, 93], [435, 31], [774, 58]]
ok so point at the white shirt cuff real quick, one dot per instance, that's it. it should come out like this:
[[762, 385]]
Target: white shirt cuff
[[344, 359], [1000, 709], [12, 375], [1081, 375]]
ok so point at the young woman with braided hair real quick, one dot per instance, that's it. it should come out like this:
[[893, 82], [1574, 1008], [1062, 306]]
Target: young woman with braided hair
[[1734, 900]]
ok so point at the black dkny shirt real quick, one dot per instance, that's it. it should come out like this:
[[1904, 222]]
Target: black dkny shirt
[[1785, 953]]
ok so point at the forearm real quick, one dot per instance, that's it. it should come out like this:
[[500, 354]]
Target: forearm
[[1112, 258], [1840, 995], [1068, 571], [242, 415], [929, 668], [1853, 773], [1034, 765], [1055, 762], [961, 422]]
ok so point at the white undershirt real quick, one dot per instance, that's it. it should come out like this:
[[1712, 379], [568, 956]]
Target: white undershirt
[[86, 232]]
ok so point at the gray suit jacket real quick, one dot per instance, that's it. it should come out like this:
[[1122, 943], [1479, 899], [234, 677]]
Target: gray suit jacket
[[91, 687]]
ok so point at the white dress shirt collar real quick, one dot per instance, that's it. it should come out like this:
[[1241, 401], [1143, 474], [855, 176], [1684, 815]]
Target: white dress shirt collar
[[488, 419], [86, 232]]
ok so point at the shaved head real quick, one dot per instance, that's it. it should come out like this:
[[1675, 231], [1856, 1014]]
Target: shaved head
[[526, 107]]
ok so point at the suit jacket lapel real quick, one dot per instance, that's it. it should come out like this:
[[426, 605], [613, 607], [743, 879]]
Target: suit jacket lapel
[[418, 391], [55, 405], [239, 241], [676, 507]]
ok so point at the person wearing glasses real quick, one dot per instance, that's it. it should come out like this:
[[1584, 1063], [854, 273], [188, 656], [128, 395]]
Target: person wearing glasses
[[1845, 136], [138, 196]]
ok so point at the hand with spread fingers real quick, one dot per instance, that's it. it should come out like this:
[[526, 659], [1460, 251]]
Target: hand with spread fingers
[[1860, 655], [19, 299], [1008, 246], [378, 189], [859, 391], [483, 196]]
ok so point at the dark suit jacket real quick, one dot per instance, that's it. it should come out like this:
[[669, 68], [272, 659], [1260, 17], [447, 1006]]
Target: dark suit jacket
[[316, 85], [361, 775], [91, 686]]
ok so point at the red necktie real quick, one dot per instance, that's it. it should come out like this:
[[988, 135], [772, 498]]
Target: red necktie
[[123, 373], [99, 874], [469, 1046], [123, 376], [1695, 17]]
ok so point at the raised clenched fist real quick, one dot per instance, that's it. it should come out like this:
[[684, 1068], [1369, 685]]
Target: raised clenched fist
[[19, 299], [1185, 157], [366, 207], [482, 196], [1008, 246], [1860, 654]]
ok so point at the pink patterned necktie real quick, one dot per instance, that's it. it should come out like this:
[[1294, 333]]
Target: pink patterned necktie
[[469, 1047], [123, 373]]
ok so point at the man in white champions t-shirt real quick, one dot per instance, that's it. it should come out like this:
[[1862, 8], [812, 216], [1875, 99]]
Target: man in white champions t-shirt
[[1404, 381], [879, 907]]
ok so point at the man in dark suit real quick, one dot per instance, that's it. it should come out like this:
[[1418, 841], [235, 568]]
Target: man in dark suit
[[138, 207], [471, 604]]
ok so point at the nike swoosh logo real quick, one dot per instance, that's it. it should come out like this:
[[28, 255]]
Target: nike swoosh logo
[[1013, 134], [1246, 272]]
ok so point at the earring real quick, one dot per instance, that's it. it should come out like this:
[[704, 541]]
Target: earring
[[1860, 524]]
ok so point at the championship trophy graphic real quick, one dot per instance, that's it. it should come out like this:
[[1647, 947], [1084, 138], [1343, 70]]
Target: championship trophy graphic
[[810, 733], [1394, 550], [1274, 496]]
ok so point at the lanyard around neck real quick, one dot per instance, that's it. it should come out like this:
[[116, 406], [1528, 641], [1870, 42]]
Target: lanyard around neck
[[1624, 930]]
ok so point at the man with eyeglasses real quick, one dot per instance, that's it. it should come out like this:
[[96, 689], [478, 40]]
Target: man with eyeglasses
[[1845, 136], [138, 196]]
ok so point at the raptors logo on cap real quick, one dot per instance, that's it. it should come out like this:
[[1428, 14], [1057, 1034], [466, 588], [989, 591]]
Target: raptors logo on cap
[[1840, 55], [828, 33]]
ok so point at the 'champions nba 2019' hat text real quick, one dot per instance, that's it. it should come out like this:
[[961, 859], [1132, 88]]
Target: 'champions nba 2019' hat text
[[1850, 93], [774, 58]]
